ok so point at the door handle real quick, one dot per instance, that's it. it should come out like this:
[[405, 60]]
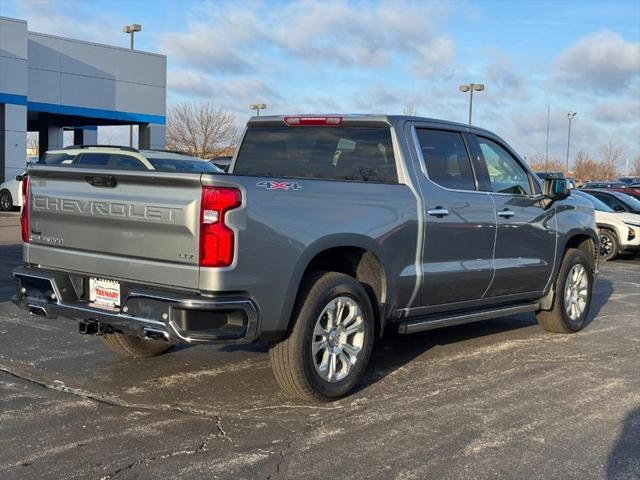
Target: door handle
[[438, 212], [506, 213]]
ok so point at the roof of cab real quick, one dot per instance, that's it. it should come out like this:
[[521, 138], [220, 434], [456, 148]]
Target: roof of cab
[[365, 119]]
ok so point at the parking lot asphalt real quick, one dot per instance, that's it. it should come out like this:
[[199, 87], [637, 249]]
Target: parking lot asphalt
[[496, 399]]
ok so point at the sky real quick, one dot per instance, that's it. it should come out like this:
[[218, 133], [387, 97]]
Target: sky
[[389, 56]]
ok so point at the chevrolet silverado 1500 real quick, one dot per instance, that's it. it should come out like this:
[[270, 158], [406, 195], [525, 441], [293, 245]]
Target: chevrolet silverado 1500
[[327, 231]]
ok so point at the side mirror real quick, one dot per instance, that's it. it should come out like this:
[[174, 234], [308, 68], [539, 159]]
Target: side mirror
[[555, 188], [19, 178], [619, 208]]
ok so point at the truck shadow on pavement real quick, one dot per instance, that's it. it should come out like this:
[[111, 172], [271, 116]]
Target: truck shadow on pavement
[[624, 458], [395, 351]]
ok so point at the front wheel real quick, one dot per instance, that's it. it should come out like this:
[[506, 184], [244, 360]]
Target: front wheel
[[6, 201], [330, 343], [608, 245], [573, 290]]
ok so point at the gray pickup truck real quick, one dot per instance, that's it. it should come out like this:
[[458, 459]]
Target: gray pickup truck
[[327, 232]]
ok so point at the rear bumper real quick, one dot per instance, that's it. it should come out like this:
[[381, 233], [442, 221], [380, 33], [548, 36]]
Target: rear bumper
[[176, 317]]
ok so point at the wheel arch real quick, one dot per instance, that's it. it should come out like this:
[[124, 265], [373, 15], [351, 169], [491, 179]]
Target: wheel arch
[[358, 256], [582, 239]]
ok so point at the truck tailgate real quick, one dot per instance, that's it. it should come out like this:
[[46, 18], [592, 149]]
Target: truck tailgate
[[139, 226]]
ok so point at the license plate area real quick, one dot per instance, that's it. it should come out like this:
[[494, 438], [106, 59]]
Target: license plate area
[[104, 292]]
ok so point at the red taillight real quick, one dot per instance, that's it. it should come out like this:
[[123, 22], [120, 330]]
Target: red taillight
[[217, 239], [24, 214], [313, 121]]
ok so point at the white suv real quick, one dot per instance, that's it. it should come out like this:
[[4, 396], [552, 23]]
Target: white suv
[[618, 232], [127, 158], [10, 194], [107, 156]]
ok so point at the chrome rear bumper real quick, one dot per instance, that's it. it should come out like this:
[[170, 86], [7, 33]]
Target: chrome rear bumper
[[174, 317]]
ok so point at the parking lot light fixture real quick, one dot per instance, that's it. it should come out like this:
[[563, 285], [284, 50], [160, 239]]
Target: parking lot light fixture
[[131, 30], [570, 116], [471, 87], [257, 107]]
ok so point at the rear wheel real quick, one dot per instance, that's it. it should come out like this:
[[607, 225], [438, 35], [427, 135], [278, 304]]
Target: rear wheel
[[608, 244], [6, 201], [573, 290], [134, 347], [330, 343]]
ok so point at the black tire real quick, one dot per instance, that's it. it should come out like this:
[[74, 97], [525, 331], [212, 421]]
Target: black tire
[[6, 201], [134, 347], [558, 319], [292, 360], [609, 245]]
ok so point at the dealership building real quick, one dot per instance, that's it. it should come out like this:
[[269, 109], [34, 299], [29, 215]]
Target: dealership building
[[49, 84]]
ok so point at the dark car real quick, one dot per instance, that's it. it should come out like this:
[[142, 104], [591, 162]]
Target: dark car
[[631, 181], [604, 184], [613, 186], [619, 202]]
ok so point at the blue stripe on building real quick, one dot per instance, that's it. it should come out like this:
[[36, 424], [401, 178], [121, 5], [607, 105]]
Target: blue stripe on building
[[81, 111]]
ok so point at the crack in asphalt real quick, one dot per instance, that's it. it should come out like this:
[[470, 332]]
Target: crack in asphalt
[[282, 466], [202, 448], [114, 402]]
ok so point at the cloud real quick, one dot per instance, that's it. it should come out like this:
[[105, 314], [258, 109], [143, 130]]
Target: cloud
[[226, 39], [434, 57], [626, 110], [56, 18], [603, 61]]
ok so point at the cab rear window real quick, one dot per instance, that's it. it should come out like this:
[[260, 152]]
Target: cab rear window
[[361, 154]]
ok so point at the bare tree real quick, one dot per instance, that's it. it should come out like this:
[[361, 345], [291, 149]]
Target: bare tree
[[201, 129], [539, 164], [635, 167], [33, 144], [611, 156], [586, 168], [410, 110]]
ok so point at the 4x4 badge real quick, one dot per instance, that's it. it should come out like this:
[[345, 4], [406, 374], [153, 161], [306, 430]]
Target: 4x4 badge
[[271, 185]]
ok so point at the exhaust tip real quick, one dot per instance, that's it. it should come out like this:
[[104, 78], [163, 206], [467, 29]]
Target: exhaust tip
[[37, 310], [155, 334]]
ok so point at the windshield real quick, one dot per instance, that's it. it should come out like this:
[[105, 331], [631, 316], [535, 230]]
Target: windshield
[[597, 204], [175, 165]]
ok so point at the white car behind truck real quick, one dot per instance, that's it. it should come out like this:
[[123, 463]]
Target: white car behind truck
[[10, 194], [618, 231]]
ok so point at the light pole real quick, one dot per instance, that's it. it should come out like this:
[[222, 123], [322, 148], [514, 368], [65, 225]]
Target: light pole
[[546, 153], [131, 30], [257, 107], [470, 87], [570, 116]]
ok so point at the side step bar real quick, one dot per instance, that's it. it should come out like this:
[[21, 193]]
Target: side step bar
[[433, 322]]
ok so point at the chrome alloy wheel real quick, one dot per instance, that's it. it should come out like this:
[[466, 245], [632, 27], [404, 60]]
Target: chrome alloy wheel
[[576, 292], [606, 246], [338, 338]]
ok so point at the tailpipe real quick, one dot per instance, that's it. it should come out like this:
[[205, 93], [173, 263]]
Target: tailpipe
[[155, 334], [37, 310]]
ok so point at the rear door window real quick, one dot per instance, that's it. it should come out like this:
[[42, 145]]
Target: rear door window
[[446, 159], [361, 154]]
